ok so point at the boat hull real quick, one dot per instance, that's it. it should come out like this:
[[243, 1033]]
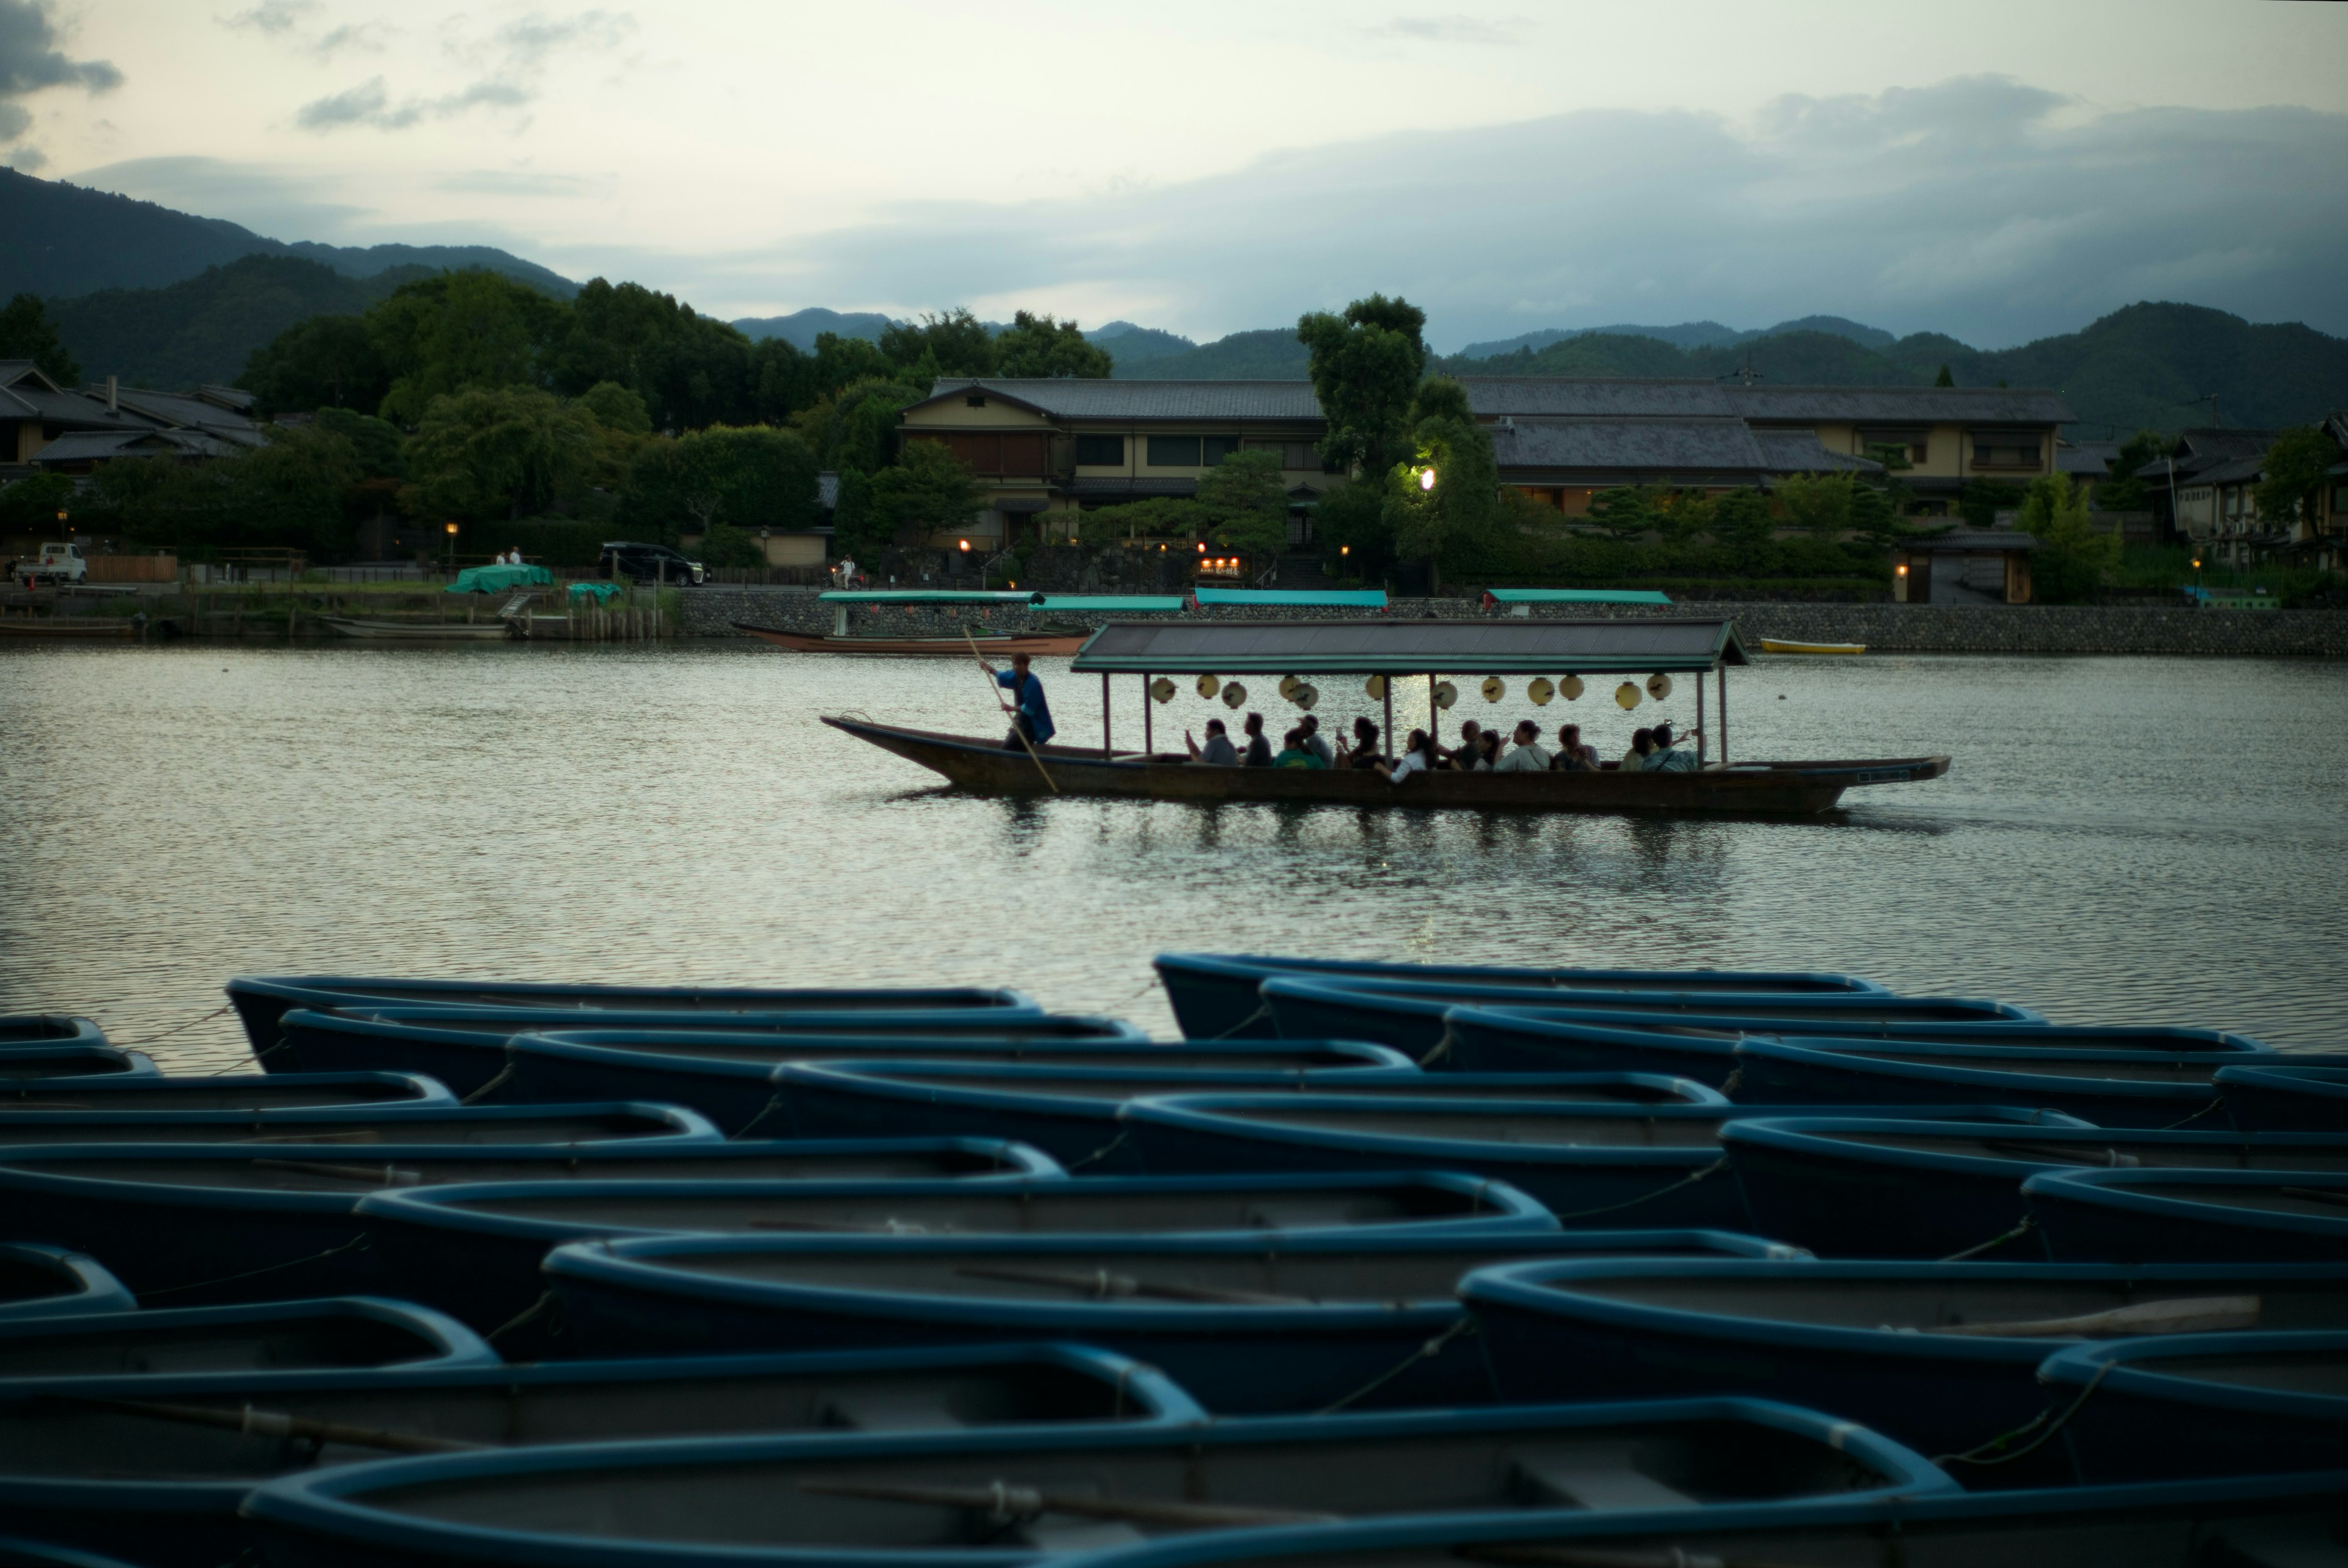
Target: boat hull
[[424, 631], [1044, 645], [1770, 789]]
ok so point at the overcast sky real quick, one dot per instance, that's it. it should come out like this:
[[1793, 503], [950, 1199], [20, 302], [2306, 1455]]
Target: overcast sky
[[1996, 170]]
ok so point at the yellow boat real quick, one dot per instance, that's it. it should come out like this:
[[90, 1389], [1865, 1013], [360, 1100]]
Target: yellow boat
[[1771, 645]]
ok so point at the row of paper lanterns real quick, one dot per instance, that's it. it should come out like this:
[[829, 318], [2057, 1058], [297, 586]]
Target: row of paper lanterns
[[1306, 695]]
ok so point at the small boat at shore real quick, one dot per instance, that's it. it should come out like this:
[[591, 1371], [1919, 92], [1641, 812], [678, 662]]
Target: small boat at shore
[[2192, 1216], [2175, 1407], [1780, 645], [424, 631], [40, 1281], [1039, 645], [345, 1332], [422, 1122]]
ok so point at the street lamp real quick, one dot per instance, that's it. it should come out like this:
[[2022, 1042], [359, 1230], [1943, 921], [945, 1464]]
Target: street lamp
[[2197, 579], [452, 546], [1427, 478]]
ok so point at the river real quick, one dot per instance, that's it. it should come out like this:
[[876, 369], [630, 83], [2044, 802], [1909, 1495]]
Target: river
[[2119, 840]]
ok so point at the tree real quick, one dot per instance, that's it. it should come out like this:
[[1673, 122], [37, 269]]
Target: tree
[[855, 530], [690, 369], [1039, 346], [2126, 490], [457, 331], [1626, 512], [1356, 537], [1741, 518], [839, 361], [1365, 367], [1245, 499], [1944, 378], [743, 477], [1459, 517], [1981, 500], [953, 344], [504, 451], [1818, 503], [28, 333], [377, 446], [292, 490], [31, 504], [926, 490], [2297, 467], [325, 362], [2072, 557], [857, 427], [617, 407]]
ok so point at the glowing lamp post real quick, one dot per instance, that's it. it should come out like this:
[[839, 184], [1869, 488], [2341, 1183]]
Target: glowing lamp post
[[1427, 478], [452, 546]]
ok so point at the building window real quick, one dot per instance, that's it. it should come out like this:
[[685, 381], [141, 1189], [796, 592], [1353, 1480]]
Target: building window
[[1218, 447], [1100, 451], [1174, 452], [975, 400], [2005, 451], [1298, 456], [1915, 442]]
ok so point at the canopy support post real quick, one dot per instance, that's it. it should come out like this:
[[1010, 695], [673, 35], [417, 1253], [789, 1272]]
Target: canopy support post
[[1385, 690], [1148, 746], [1433, 720], [1699, 720], [1723, 715], [1107, 750]]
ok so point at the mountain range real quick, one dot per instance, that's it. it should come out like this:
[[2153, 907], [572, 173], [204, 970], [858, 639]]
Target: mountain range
[[165, 298]]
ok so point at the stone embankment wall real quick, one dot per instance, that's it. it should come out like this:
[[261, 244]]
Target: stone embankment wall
[[1884, 628]]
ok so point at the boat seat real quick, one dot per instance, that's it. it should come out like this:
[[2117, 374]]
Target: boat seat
[[1302, 1214], [1596, 1479], [887, 1409]]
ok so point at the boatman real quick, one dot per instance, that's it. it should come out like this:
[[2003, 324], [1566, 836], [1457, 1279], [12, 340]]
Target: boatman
[[1030, 716]]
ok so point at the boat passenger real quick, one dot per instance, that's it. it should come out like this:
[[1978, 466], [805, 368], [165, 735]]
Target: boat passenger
[[1572, 757], [1031, 718], [1365, 751], [1488, 752], [1419, 754], [1295, 754], [1667, 760], [1642, 744], [1529, 757], [1315, 741], [1259, 749], [1463, 759], [1217, 752]]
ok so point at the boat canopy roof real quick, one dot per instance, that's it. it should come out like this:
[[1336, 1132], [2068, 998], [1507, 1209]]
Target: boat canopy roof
[[1503, 647], [1343, 599], [1109, 603], [1576, 596]]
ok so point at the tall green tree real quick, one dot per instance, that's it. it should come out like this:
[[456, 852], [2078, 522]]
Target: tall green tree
[[925, 491], [840, 360], [727, 475], [506, 452], [950, 343], [325, 362], [1741, 518], [1365, 367], [31, 504], [690, 369], [1457, 519], [2124, 491], [28, 333], [1039, 346], [1819, 504], [2297, 467], [1627, 512], [857, 427], [2073, 557], [1244, 503], [459, 331]]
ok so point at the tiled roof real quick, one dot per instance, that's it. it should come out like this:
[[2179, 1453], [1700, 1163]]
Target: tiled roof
[[102, 445], [2091, 460], [1800, 452], [180, 410], [1081, 398], [1709, 446], [69, 408], [1902, 404], [1535, 397], [2232, 472]]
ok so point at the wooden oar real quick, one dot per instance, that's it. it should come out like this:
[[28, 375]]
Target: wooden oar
[[1104, 1285], [2110, 1160], [381, 1175], [1009, 712], [366, 1135], [278, 1424], [1002, 1501], [2186, 1315]]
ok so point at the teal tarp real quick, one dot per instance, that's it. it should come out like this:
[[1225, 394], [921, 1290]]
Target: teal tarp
[[1578, 595], [498, 579], [601, 592], [1366, 599]]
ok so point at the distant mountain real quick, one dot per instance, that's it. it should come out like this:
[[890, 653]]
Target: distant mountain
[[1128, 344], [1687, 334], [61, 241], [1270, 355], [203, 328], [801, 327]]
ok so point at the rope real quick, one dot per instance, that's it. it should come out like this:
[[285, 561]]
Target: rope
[[355, 1243], [2196, 1116], [1426, 1352], [1733, 1082], [1074, 1165], [1687, 1181], [2029, 1222], [519, 1318], [257, 1056], [763, 1111], [1264, 1009], [179, 1030], [1442, 1047], [504, 1077], [1972, 1456]]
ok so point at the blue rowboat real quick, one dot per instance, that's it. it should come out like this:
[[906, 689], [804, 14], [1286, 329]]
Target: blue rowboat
[[1846, 1188], [177, 1454], [987, 1501], [1249, 1325], [188, 1224], [2192, 1216], [1410, 1016], [2110, 1089], [732, 1079], [2265, 1520], [1214, 995], [474, 1251], [1073, 1113], [46, 1030], [2204, 1404], [41, 1281], [358, 1126], [260, 1000], [1941, 1356], [1591, 1164], [465, 1050], [235, 1092], [2286, 1096], [32, 1063], [349, 1332]]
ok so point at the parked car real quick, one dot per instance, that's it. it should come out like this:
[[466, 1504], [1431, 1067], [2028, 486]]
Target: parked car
[[648, 563], [57, 563]]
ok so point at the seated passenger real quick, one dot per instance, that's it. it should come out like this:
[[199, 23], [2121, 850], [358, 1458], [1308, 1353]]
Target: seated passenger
[[1572, 757], [1464, 758], [1488, 750], [1643, 743], [1365, 751], [1295, 754], [1217, 751], [1418, 756], [1667, 760], [1259, 749], [1311, 725], [1529, 755]]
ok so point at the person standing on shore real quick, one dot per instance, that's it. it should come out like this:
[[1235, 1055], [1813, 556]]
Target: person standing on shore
[[1031, 716]]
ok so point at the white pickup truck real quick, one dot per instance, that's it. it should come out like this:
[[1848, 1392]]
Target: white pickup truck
[[58, 563]]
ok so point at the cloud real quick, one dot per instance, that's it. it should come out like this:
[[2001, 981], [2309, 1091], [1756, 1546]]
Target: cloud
[[369, 103], [279, 203], [272, 17], [514, 56], [1970, 206], [31, 61], [1459, 29], [528, 43]]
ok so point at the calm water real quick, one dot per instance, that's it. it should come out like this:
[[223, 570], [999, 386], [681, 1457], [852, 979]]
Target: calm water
[[2120, 840]]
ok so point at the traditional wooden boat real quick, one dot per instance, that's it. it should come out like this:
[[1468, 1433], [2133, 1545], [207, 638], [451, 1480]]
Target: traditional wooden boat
[[424, 631], [210, 1223], [47, 1030], [2285, 1093], [994, 1500], [734, 1078], [1308, 1320], [1941, 1356], [1214, 995], [1854, 1188], [1038, 645], [355, 1126], [2192, 1216], [42, 1281], [1780, 645], [474, 1251], [157, 1466], [280, 1334], [2205, 1404], [37, 1064], [1396, 651], [104, 628], [233, 1091]]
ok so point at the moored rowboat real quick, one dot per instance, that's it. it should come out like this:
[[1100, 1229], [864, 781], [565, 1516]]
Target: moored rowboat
[[42, 1281], [1780, 645]]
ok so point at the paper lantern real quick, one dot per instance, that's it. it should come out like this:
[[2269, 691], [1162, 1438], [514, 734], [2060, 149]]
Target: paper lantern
[[1446, 693], [1540, 691], [1627, 695], [1493, 688], [1570, 688], [1233, 694], [1208, 685], [1161, 690], [1306, 695], [1659, 686], [1375, 688], [1288, 686]]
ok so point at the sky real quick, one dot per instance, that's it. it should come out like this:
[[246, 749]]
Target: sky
[[1997, 172]]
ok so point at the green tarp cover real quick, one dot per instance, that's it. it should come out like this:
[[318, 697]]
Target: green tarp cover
[[498, 579], [1364, 598], [601, 592], [1578, 595], [1114, 603]]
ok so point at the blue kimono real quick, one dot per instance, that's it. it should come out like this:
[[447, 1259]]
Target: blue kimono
[[1033, 715]]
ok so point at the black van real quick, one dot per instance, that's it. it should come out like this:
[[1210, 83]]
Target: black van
[[648, 563]]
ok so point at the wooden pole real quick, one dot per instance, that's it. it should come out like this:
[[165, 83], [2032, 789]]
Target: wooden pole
[[1008, 710], [1107, 750], [1724, 715], [1385, 690], [1434, 723], [1148, 743], [1699, 721]]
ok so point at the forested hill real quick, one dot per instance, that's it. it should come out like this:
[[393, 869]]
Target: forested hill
[[62, 241]]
